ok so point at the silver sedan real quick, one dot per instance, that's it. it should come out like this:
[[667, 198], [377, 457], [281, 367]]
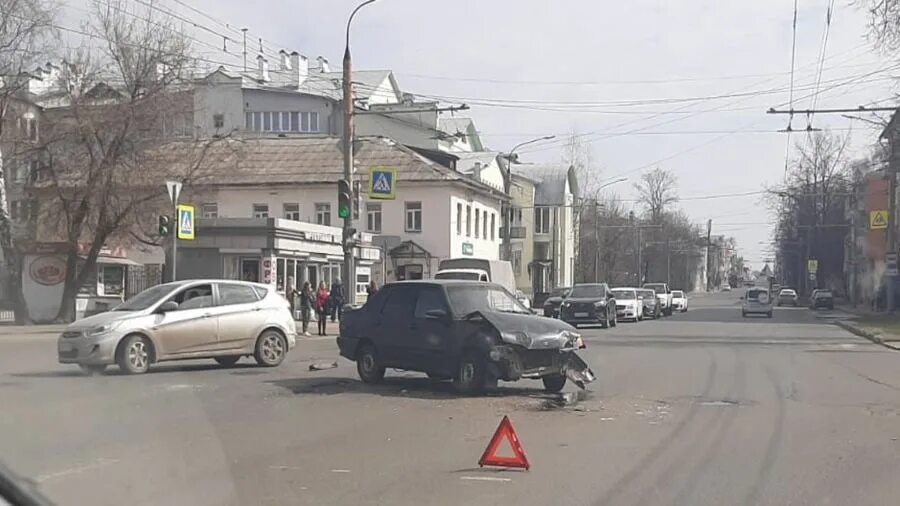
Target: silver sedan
[[219, 319]]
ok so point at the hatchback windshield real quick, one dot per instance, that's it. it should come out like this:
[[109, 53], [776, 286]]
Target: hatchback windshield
[[678, 294], [470, 298], [624, 293], [758, 296], [658, 287], [145, 299], [588, 291]]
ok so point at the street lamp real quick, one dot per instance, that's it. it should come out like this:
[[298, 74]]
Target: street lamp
[[507, 186], [620, 180], [348, 232]]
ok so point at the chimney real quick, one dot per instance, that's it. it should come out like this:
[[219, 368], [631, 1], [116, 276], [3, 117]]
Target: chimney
[[300, 66], [323, 64], [285, 60], [263, 68], [476, 171]]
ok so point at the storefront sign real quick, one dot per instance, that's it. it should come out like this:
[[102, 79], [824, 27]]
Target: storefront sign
[[47, 270], [320, 237], [468, 249], [267, 270]]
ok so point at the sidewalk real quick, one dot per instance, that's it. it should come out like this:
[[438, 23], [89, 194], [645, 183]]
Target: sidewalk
[[879, 328]]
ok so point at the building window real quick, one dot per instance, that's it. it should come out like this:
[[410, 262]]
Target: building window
[[291, 211], [413, 216], [373, 218], [459, 219], [323, 214], [517, 262], [282, 121], [484, 225], [468, 221], [110, 280], [477, 222], [260, 210], [493, 226], [542, 220], [218, 120], [209, 210], [362, 283]]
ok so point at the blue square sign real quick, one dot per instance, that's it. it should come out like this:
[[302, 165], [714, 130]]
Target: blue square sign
[[382, 183]]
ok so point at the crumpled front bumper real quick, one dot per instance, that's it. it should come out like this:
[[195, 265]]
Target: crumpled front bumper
[[511, 363]]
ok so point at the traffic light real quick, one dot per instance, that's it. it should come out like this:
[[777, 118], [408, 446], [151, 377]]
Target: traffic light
[[165, 225], [345, 199]]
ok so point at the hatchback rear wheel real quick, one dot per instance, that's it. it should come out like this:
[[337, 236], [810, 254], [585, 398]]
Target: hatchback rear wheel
[[271, 349], [368, 366]]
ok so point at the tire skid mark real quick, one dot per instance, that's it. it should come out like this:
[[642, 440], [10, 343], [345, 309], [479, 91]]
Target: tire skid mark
[[774, 444], [641, 466], [737, 391]]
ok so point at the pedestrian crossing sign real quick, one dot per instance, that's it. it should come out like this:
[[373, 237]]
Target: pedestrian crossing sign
[[382, 183], [185, 222], [878, 219]]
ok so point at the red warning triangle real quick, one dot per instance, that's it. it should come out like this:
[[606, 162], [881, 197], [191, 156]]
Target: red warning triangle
[[506, 432]]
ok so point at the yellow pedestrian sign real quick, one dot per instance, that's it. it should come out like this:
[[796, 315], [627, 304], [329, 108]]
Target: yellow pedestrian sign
[[382, 183], [185, 222], [878, 219]]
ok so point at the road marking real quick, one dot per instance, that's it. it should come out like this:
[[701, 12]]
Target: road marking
[[340, 470], [484, 478], [76, 469]]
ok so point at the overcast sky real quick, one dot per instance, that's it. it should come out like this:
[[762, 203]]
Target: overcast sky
[[608, 58]]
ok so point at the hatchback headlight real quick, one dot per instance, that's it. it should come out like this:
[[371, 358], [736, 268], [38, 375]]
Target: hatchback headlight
[[102, 329]]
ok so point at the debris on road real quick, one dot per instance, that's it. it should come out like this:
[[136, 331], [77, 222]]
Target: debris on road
[[321, 366]]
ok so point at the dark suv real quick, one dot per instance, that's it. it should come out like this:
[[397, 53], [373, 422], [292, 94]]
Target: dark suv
[[557, 296], [589, 303], [821, 297], [474, 333]]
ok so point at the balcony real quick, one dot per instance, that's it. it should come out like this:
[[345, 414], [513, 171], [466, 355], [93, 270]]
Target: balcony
[[514, 232]]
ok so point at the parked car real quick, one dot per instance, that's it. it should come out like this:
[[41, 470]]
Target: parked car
[[726, 288], [787, 296], [589, 304], [474, 333], [664, 295], [756, 301], [551, 305], [650, 302], [821, 298], [218, 319], [628, 306], [679, 301]]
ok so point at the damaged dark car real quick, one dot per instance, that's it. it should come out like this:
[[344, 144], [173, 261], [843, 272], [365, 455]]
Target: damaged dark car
[[472, 333]]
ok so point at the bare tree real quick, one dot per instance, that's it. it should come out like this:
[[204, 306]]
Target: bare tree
[[657, 191], [123, 127], [884, 22], [24, 25]]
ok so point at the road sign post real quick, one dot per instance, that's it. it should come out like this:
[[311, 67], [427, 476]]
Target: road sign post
[[173, 188]]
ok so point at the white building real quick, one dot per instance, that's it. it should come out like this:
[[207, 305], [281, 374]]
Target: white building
[[438, 212]]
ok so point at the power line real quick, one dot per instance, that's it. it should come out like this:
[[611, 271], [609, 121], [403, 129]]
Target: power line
[[828, 15]]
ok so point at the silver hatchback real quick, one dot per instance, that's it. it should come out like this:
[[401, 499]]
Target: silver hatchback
[[756, 301], [219, 319]]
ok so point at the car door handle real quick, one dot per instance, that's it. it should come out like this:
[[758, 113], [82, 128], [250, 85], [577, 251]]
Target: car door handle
[[207, 315]]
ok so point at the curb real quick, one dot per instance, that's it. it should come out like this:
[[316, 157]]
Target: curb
[[875, 338]]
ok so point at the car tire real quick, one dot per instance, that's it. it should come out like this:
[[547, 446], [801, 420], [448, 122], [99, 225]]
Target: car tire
[[271, 348], [368, 366], [227, 361], [554, 383], [604, 323], [470, 374], [135, 354], [92, 369], [769, 314]]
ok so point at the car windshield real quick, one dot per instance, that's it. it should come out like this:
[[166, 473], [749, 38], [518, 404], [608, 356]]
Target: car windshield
[[678, 294], [470, 298], [460, 275], [624, 293], [588, 291], [657, 287], [823, 293], [758, 295], [647, 294], [145, 299], [788, 292]]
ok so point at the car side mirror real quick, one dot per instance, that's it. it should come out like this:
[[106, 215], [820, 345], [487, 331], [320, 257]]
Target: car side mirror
[[742, 297], [169, 305], [436, 314]]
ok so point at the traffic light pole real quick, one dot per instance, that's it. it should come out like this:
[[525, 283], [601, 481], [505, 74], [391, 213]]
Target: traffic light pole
[[348, 268], [174, 234]]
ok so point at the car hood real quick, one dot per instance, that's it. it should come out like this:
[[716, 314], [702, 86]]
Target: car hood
[[585, 300], [532, 331], [101, 319]]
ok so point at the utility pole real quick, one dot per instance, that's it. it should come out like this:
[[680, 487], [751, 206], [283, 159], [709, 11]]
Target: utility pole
[[894, 139], [348, 273], [708, 255], [668, 264]]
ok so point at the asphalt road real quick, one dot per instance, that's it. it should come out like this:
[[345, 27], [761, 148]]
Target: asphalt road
[[701, 408]]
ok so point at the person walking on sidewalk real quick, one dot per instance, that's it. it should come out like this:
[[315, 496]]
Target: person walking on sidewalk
[[336, 299], [307, 302], [322, 307]]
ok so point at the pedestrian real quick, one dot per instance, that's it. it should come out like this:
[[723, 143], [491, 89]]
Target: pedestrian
[[371, 288], [307, 302], [291, 293], [322, 306], [336, 299]]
